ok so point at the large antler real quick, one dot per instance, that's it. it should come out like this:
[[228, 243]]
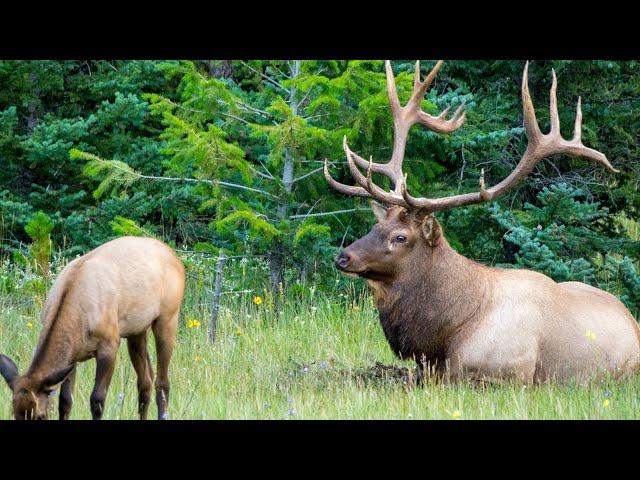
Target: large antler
[[539, 147], [403, 119]]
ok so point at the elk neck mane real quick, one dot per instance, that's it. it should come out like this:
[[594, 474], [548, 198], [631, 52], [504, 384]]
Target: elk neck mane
[[436, 294]]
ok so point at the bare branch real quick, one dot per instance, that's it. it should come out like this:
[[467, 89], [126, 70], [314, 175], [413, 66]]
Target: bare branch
[[324, 214], [266, 77], [312, 172], [194, 180]]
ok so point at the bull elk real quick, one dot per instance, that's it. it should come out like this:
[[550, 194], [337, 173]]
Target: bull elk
[[457, 317], [119, 290]]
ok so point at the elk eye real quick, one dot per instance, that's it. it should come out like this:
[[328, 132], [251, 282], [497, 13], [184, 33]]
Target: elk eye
[[401, 238]]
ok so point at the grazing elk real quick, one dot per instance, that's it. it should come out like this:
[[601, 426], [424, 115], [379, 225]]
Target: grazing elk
[[463, 319], [119, 290]]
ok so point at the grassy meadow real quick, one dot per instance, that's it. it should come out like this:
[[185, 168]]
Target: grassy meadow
[[321, 357]]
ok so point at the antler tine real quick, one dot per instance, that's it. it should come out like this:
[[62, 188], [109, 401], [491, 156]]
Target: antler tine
[[341, 187], [419, 87], [554, 119], [438, 124], [361, 162], [391, 89], [574, 147], [367, 183], [483, 191], [577, 129], [412, 202], [528, 112]]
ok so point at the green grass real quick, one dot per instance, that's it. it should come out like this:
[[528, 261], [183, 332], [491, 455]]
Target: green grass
[[318, 359]]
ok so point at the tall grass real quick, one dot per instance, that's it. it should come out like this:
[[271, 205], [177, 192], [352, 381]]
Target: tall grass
[[321, 356]]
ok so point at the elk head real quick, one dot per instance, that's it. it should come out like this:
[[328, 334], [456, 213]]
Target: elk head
[[31, 394], [408, 230]]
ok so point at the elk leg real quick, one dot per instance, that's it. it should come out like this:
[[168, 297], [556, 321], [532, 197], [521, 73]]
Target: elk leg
[[137, 346], [66, 396], [164, 331], [105, 365]]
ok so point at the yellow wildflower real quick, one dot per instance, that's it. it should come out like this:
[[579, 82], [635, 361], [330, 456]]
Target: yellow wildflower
[[198, 358], [29, 325], [238, 332], [257, 299], [590, 335], [193, 323], [456, 414], [605, 404]]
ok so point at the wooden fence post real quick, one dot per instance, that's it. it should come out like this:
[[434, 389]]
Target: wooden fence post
[[215, 307]]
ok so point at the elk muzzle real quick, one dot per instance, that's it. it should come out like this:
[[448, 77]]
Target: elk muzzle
[[343, 260]]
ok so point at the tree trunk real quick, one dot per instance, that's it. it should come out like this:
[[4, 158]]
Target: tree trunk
[[278, 250], [303, 272], [32, 118], [276, 270], [220, 68]]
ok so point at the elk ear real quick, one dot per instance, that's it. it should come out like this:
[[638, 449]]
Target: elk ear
[[58, 377], [380, 211], [8, 370], [431, 230]]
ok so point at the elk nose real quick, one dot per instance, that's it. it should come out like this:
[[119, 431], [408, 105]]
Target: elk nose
[[342, 260]]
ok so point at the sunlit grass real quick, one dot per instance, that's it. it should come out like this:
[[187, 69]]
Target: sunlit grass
[[316, 359]]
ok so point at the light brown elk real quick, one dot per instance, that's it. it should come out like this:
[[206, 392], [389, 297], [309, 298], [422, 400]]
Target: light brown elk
[[119, 290], [462, 319]]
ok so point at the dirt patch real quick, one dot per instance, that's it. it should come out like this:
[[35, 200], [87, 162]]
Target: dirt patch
[[380, 373]]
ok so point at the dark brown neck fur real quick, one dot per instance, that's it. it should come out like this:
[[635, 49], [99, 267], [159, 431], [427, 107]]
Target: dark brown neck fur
[[436, 293]]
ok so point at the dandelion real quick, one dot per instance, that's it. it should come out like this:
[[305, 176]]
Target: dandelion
[[193, 323], [590, 335], [29, 325], [456, 414], [238, 332], [605, 404], [198, 358], [257, 299]]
